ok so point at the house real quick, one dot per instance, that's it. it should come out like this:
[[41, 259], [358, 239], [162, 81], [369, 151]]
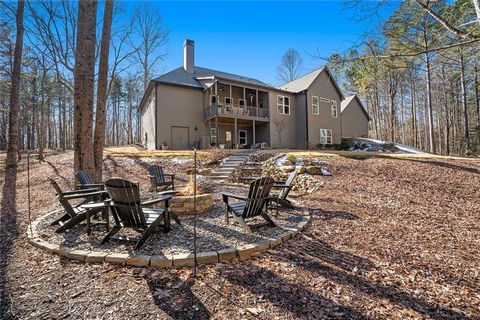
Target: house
[[355, 118], [199, 107]]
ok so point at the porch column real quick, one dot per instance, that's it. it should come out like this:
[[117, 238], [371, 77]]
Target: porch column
[[209, 132], [244, 95], [236, 141], [216, 131], [256, 102], [254, 134]]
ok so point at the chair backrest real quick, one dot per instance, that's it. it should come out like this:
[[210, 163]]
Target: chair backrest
[[126, 202], [285, 191], [83, 177], [257, 196], [157, 172], [64, 202]]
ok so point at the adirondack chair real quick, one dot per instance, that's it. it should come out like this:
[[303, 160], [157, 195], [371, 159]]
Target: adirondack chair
[[86, 182], [74, 214], [158, 181], [129, 212], [255, 204], [280, 199]]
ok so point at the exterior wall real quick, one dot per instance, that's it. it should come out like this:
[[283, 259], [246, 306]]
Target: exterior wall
[[323, 87], [301, 130], [282, 126], [354, 121], [147, 125], [182, 107]]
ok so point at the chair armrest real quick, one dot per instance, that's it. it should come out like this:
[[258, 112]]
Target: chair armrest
[[92, 185], [157, 200], [83, 195], [281, 186], [97, 205], [226, 195], [80, 191]]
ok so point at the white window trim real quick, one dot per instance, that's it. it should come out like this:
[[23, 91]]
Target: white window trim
[[324, 99], [317, 105], [213, 135], [244, 103], [213, 95], [327, 136], [239, 138], [334, 105], [231, 101], [283, 105]]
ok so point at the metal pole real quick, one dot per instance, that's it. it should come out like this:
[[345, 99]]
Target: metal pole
[[195, 212]]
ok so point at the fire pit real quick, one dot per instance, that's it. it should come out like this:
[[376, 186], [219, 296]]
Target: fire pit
[[183, 202]]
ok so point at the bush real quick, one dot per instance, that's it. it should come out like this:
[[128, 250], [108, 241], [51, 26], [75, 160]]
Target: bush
[[291, 158], [389, 147]]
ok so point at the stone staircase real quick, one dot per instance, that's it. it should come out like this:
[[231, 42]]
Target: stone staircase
[[229, 164]]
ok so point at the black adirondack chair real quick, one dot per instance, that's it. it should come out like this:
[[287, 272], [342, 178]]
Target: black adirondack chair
[[280, 199], [86, 182], [158, 179], [74, 214], [129, 212], [255, 204]]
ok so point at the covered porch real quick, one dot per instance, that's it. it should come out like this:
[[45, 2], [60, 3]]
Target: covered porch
[[233, 133]]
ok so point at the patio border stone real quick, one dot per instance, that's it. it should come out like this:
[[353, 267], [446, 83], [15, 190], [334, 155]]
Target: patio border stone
[[243, 252]]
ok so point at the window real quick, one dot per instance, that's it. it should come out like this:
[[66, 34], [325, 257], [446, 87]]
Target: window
[[241, 103], [324, 99], [213, 136], [213, 99], [315, 107], [228, 101], [242, 137], [283, 105], [326, 136], [334, 109]]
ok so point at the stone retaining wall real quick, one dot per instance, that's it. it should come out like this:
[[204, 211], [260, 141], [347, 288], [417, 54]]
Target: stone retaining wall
[[243, 252]]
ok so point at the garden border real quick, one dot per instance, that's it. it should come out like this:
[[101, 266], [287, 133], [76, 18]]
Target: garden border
[[243, 252]]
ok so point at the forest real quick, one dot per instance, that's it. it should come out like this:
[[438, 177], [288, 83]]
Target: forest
[[418, 76]]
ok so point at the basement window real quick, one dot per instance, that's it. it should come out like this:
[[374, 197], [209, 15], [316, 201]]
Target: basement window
[[326, 136]]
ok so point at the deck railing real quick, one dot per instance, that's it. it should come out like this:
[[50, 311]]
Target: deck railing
[[233, 109]]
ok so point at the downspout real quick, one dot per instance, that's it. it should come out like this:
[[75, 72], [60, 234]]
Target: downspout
[[306, 117]]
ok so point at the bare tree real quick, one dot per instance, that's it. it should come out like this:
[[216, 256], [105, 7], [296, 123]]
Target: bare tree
[[280, 126], [13, 128], [84, 86], [99, 135], [147, 25], [291, 66]]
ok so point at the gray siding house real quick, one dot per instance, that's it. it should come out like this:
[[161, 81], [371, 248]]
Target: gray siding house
[[199, 107], [355, 118]]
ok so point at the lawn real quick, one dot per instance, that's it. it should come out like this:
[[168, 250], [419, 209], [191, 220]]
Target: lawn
[[391, 238]]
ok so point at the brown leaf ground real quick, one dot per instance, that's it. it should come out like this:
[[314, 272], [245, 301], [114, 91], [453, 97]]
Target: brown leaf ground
[[390, 239]]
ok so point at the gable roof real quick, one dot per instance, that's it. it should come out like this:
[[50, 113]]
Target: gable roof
[[196, 79], [303, 83], [345, 103]]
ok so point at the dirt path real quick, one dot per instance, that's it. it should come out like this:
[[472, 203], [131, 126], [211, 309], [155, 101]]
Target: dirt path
[[390, 239]]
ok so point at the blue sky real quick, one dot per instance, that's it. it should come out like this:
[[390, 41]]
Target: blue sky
[[249, 38]]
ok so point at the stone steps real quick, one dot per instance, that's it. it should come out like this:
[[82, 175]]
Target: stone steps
[[229, 164]]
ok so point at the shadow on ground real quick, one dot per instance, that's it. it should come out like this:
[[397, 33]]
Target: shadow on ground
[[8, 234]]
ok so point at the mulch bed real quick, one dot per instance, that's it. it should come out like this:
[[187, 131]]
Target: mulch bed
[[390, 239]]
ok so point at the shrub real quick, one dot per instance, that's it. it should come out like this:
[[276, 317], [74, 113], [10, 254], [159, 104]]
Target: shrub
[[389, 147], [291, 158]]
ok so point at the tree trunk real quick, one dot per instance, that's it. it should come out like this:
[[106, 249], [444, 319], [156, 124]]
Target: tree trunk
[[99, 136], [431, 136], [466, 131], [84, 86], [13, 128]]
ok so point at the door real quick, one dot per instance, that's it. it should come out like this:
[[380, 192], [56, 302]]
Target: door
[[242, 137], [228, 139], [180, 138]]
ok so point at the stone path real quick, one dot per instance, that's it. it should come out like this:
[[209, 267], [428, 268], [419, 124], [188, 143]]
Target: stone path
[[229, 164]]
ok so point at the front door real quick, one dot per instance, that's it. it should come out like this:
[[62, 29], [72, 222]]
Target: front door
[[228, 139], [180, 139]]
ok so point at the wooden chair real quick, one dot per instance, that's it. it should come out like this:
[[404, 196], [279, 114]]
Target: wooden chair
[[255, 204], [129, 212], [74, 214], [158, 181], [280, 199], [86, 182]]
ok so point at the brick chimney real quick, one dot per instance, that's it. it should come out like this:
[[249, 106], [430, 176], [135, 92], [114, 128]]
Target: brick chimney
[[188, 55]]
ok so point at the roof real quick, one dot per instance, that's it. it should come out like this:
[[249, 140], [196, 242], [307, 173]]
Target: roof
[[347, 101], [196, 79], [303, 83]]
